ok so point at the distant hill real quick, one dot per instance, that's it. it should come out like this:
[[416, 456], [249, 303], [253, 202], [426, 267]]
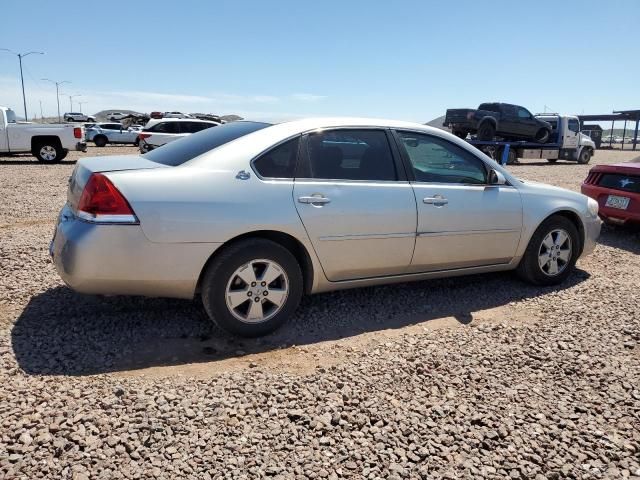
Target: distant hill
[[103, 116], [231, 118], [438, 123]]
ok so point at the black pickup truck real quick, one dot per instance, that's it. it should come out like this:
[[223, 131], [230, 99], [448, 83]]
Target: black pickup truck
[[490, 120]]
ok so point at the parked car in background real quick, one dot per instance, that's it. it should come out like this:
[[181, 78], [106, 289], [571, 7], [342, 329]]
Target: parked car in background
[[115, 116], [510, 122], [156, 115], [616, 188], [78, 117], [103, 133], [160, 132], [249, 216], [48, 143], [176, 115]]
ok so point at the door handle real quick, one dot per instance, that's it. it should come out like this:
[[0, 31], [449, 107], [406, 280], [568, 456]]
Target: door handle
[[314, 200], [437, 200]]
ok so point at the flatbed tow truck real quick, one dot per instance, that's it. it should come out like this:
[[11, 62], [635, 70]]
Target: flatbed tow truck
[[566, 143]]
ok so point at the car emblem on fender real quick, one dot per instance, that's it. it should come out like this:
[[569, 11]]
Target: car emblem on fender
[[625, 181]]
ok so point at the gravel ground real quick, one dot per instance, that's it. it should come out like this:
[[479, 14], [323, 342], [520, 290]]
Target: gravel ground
[[476, 377]]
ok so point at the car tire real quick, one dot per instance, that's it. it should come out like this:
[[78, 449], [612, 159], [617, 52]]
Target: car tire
[[236, 272], [461, 134], [512, 156], [136, 142], [100, 140], [552, 252], [542, 135], [48, 152], [91, 119], [585, 156], [486, 131], [552, 160]]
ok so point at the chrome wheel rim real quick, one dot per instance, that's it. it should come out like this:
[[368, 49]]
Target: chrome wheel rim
[[555, 252], [48, 152], [257, 291]]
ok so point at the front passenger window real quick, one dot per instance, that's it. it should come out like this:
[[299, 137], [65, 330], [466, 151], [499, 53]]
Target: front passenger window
[[436, 160]]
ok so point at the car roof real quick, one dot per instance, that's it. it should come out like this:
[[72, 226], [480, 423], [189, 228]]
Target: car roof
[[155, 121]]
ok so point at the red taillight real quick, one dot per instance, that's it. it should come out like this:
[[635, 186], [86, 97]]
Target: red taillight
[[142, 136], [77, 132], [100, 197]]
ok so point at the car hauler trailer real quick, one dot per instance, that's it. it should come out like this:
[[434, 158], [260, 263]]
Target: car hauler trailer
[[566, 143]]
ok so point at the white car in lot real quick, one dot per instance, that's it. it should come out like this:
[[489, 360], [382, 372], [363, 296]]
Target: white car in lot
[[115, 116], [78, 117], [103, 133], [158, 132]]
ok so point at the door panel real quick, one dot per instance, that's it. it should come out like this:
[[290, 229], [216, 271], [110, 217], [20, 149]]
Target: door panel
[[478, 225], [359, 212], [462, 221], [365, 229]]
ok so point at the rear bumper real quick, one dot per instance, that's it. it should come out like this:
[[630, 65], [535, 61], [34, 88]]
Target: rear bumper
[[614, 215], [81, 146], [120, 260]]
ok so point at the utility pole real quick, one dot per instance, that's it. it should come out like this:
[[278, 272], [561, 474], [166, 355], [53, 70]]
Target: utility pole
[[81, 103], [20, 56], [57, 84], [70, 101], [41, 115]]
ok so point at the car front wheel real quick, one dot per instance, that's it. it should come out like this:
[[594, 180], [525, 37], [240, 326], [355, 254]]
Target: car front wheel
[[252, 287], [552, 252]]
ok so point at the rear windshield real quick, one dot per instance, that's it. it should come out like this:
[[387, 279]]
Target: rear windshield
[[181, 151], [489, 107]]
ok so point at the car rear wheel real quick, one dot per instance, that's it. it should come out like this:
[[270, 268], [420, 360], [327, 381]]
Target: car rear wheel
[[585, 156], [486, 131], [552, 160], [49, 153], [461, 133], [100, 141], [542, 136], [252, 287], [552, 252]]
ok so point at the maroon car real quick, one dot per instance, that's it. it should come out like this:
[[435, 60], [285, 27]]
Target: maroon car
[[616, 188]]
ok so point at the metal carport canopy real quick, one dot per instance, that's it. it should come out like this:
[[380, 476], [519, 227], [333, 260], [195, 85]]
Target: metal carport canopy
[[633, 115]]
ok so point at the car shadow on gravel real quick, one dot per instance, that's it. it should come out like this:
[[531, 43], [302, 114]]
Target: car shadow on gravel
[[624, 238], [61, 332]]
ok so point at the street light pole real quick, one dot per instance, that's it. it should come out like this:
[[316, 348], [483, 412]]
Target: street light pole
[[57, 84], [81, 103], [20, 55], [71, 103]]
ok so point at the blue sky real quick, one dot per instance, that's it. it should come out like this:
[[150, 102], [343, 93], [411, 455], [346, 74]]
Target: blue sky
[[284, 59]]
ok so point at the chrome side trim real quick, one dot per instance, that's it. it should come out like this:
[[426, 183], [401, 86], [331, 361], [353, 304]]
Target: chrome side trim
[[466, 232], [109, 219], [337, 238]]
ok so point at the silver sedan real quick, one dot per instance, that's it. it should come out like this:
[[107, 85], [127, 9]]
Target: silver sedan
[[251, 216]]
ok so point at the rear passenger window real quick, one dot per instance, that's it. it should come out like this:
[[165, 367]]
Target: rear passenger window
[[166, 127], [279, 162], [350, 155]]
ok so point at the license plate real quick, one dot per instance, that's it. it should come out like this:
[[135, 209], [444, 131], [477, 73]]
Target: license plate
[[614, 201]]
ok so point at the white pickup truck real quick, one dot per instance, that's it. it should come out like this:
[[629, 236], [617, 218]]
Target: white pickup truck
[[48, 143]]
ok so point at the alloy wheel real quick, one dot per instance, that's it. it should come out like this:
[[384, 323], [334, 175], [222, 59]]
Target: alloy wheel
[[257, 291], [555, 252], [47, 152]]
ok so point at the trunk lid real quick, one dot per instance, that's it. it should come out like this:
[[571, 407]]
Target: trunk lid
[[88, 165]]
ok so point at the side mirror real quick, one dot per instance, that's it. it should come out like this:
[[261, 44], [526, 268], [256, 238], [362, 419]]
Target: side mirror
[[496, 178]]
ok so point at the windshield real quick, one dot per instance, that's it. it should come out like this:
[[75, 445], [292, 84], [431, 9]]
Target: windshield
[[187, 148], [11, 116]]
